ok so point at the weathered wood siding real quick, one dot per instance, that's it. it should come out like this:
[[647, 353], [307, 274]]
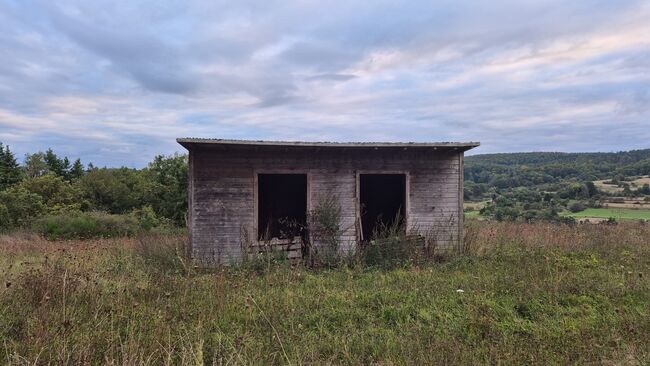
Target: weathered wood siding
[[222, 191]]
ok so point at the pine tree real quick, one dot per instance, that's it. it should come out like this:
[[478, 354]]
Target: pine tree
[[77, 170], [65, 169], [3, 166], [54, 164], [10, 171]]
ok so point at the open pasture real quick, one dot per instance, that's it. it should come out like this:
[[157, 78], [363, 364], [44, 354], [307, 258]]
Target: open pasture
[[616, 213], [518, 294]]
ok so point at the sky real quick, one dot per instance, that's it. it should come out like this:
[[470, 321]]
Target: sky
[[115, 83]]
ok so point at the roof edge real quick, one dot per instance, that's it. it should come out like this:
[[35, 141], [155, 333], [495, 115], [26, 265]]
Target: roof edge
[[187, 142]]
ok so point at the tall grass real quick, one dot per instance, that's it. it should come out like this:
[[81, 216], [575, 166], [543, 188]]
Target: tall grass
[[521, 294]]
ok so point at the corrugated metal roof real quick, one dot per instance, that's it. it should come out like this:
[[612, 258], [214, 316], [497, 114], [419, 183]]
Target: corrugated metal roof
[[187, 142]]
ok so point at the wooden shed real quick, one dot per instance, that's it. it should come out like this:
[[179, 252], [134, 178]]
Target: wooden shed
[[252, 194]]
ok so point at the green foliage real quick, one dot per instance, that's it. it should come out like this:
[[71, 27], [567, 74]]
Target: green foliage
[[10, 172], [156, 196], [167, 195], [77, 170], [5, 218], [325, 229], [86, 226], [644, 190], [35, 165], [22, 206], [148, 219], [42, 163], [576, 207], [56, 165], [57, 194], [116, 191], [539, 186]]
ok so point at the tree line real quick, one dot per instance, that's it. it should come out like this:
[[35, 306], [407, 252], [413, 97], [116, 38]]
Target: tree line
[[47, 185]]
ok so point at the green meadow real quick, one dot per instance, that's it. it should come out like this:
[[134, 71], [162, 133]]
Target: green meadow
[[617, 213], [517, 294]]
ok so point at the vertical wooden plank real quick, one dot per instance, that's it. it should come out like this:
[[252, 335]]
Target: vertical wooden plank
[[407, 200], [461, 199], [256, 229], [357, 201], [190, 203]]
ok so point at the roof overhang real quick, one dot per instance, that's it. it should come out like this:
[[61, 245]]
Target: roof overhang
[[192, 143]]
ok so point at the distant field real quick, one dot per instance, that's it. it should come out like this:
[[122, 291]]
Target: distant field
[[632, 204], [612, 188], [475, 205], [619, 214]]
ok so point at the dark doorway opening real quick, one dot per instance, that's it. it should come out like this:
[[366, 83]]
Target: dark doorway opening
[[382, 201], [282, 205]]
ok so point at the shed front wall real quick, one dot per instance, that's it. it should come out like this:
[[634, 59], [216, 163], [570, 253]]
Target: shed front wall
[[222, 212]]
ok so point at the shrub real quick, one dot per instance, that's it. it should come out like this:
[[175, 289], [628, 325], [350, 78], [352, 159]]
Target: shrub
[[4, 218], [58, 195], [86, 226], [576, 206], [325, 229], [21, 206], [148, 220], [116, 191]]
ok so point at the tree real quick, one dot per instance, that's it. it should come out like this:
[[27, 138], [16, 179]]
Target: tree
[[54, 164], [576, 206], [21, 206], [168, 196], [591, 189], [115, 190], [35, 165], [10, 171], [57, 194], [65, 168], [644, 190], [77, 170]]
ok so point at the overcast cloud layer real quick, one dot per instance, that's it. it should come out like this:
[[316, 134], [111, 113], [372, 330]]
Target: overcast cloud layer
[[116, 82]]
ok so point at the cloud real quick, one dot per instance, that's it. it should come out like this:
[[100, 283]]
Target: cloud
[[116, 84]]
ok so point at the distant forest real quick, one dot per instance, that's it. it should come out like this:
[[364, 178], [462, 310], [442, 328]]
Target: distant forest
[[539, 185]]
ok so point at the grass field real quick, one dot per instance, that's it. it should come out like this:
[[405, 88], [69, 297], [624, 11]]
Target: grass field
[[520, 294], [617, 213]]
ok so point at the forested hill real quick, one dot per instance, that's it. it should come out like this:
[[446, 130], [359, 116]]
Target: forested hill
[[509, 170], [541, 185], [540, 158]]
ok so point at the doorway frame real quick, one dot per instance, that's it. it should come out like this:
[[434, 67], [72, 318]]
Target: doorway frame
[[357, 193], [256, 192]]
